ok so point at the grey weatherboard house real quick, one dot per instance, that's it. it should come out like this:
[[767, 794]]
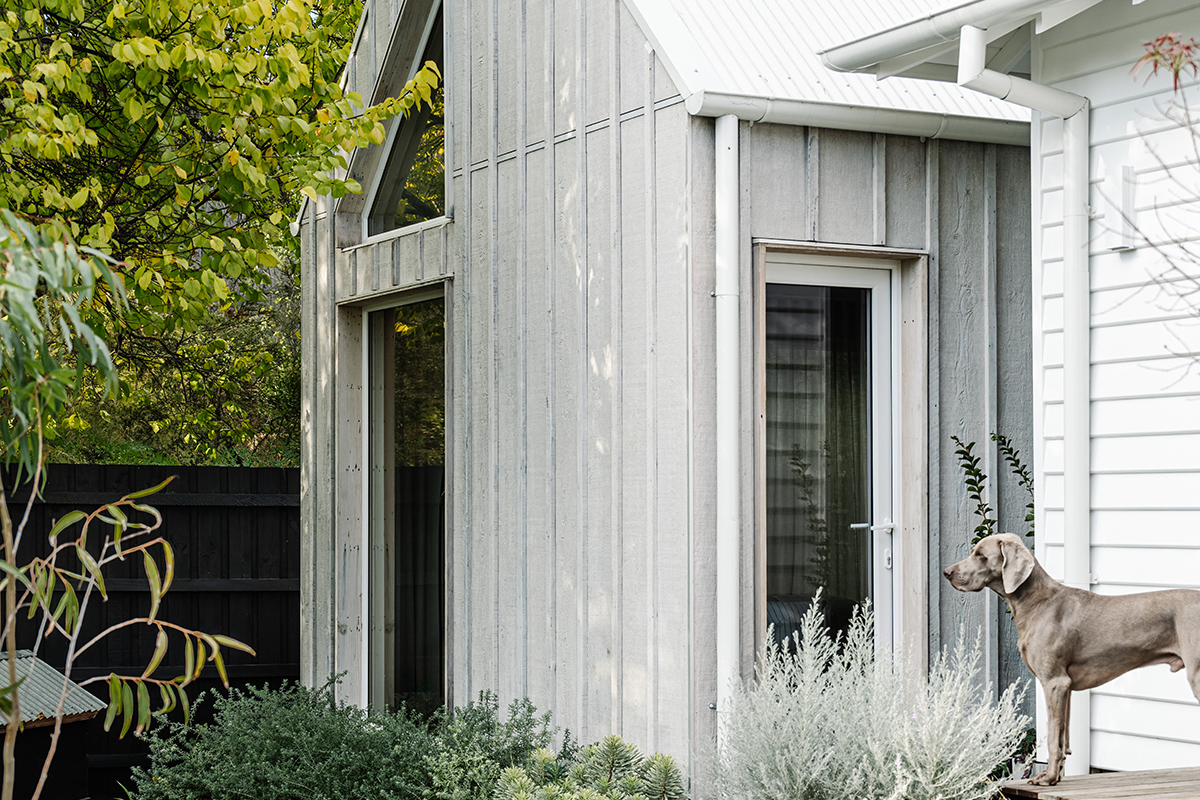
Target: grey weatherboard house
[[710, 315]]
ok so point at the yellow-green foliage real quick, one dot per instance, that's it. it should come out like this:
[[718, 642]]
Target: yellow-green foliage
[[612, 769], [177, 136]]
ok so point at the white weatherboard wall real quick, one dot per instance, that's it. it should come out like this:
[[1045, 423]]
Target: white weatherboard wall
[[1145, 390]]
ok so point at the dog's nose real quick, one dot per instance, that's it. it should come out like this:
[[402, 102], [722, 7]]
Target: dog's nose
[[948, 572]]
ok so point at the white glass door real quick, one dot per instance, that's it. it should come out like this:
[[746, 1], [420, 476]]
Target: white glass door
[[828, 442]]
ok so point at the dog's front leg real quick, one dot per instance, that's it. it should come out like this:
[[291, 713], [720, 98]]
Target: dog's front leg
[[1058, 710]]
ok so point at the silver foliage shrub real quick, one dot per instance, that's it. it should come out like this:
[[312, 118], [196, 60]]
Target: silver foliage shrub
[[830, 723]]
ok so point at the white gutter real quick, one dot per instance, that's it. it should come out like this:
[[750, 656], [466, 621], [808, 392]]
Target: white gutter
[[1074, 110], [729, 383], [931, 125]]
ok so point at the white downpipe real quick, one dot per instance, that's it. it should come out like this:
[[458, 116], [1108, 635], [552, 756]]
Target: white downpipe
[[729, 382], [1077, 502], [972, 52], [1076, 330]]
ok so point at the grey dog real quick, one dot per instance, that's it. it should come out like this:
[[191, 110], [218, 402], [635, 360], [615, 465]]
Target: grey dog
[[1074, 640]]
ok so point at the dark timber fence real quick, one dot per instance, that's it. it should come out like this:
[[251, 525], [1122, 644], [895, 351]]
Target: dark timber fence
[[236, 537]]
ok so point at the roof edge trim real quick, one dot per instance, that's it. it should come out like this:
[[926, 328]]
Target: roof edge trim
[[659, 23], [930, 125], [936, 27]]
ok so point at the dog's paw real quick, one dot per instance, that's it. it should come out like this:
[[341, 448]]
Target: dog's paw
[[1044, 778]]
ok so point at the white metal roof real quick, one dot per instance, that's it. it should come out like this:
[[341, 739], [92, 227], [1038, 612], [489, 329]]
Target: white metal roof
[[768, 49]]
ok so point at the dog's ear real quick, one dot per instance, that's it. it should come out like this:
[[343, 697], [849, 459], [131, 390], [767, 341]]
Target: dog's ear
[[1018, 563]]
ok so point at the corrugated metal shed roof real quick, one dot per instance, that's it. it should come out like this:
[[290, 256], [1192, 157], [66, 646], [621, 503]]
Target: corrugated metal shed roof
[[43, 686], [768, 48]]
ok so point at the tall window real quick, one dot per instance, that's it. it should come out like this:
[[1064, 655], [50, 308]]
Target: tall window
[[408, 525], [412, 188]]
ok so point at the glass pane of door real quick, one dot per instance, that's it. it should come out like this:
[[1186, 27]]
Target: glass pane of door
[[819, 452]]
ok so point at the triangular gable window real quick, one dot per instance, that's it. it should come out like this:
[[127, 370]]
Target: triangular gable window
[[412, 187]]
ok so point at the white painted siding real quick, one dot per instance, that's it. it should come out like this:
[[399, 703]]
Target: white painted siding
[[1145, 383]]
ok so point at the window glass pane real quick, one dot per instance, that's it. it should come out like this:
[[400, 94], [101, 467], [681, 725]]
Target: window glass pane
[[419, 403], [413, 186], [818, 480]]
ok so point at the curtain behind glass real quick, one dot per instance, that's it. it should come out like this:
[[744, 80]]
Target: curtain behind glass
[[817, 370]]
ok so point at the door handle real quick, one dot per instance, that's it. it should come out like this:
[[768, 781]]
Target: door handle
[[886, 526]]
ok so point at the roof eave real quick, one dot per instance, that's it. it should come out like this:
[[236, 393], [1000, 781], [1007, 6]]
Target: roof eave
[[929, 124], [936, 27]]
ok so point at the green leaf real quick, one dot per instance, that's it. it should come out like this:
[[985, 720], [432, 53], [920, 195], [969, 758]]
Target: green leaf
[[147, 492], [189, 660], [127, 708], [67, 520], [233, 643], [114, 700], [92, 568], [201, 657], [152, 576], [167, 695], [160, 650], [220, 662], [183, 701], [169, 560], [15, 572], [144, 709]]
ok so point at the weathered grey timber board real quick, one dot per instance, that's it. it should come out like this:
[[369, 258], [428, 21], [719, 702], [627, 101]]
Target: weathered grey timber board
[[968, 210], [1177, 784], [577, 272]]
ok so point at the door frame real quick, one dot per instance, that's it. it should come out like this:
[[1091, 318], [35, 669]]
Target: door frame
[[909, 444]]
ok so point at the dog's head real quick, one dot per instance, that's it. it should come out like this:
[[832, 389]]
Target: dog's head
[[1001, 561]]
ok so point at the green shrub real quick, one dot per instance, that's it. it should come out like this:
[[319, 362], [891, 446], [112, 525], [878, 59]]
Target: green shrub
[[829, 722], [291, 743], [473, 746], [302, 744], [610, 770]]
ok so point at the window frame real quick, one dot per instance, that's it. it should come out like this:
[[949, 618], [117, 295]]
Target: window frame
[[378, 505], [439, 8]]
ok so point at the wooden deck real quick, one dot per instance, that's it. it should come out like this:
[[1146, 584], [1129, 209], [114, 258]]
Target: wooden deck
[[1175, 784]]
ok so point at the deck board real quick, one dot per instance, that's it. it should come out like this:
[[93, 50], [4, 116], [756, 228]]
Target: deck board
[[1159, 784]]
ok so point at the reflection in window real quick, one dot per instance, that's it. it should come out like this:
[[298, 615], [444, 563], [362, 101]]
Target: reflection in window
[[818, 480], [407, 435], [413, 186], [419, 403]]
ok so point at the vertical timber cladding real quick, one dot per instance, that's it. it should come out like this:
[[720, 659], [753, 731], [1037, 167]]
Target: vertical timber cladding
[[571, 481], [570, 537], [967, 205], [560, 592], [583, 189]]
